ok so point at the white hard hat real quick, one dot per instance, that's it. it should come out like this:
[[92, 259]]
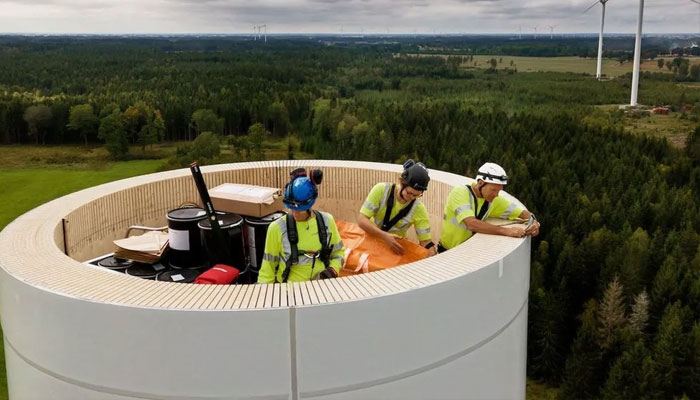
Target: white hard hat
[[492, 173]]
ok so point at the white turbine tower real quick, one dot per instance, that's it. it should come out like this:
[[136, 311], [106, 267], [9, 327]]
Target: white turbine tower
[[535, 28], [637, 55], [551, 31], [599, 67]]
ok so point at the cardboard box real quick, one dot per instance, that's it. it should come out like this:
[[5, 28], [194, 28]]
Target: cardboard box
[[254, 201]]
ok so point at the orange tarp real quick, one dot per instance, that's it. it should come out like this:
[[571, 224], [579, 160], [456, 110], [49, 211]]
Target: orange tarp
[[367, 253]]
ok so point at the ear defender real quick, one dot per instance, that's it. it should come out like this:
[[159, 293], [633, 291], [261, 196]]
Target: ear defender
[[316, 176], [406, 165]]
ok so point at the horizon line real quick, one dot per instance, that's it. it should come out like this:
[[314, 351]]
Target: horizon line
[[529, 34]]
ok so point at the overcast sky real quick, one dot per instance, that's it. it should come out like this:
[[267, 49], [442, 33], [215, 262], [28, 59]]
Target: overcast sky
[[335, 16]]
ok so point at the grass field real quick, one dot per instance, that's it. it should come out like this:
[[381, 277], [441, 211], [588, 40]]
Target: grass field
[[578, 65], [611, 68], [25, 188], [674, 127]]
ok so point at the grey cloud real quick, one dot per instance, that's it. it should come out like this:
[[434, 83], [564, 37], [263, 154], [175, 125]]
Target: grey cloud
[[230, 16]]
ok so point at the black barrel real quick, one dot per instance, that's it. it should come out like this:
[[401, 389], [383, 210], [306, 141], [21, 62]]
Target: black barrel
[[184, 239], [231, 226], [179, 275], [256, 232], [114, 263]]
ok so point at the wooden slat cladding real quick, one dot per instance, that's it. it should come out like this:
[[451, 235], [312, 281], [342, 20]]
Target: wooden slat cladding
[[85, 223]]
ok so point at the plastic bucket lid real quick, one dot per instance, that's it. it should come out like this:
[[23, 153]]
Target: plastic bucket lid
[[115, 263], [145, 271], [179, 276], [186, 214], [225, 221], [266, 220]]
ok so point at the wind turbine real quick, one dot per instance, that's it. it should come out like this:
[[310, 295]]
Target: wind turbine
[[637, 55], [696, 2], [599, 68], [551, 31], [535, 28]]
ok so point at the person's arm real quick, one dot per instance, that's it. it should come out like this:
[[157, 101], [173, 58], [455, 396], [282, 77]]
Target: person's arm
[[369, 210], [372, 229], [421, 223], [534, 229], [338, 252], [271, 255], [477, 226]]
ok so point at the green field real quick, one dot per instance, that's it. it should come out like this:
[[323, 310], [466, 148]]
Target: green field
[[611, 68], [25, 188]]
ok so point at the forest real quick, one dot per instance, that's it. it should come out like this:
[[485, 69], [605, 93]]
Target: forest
[[614, 304]]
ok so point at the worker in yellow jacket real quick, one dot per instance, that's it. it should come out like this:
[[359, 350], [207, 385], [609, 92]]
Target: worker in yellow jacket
[[468, 206], [390, 210], [305, 244]]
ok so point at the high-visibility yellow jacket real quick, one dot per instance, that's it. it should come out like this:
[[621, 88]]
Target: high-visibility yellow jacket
[[278, 250], [460, 205], [375, 206]]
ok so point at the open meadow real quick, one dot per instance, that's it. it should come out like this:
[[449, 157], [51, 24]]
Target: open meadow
[[577, 65]]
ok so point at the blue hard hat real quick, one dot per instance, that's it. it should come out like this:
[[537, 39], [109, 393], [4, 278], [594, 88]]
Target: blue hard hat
[[300, 194]]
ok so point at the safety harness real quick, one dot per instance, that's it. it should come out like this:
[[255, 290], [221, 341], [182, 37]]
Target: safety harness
[[293, 236], [390, 222], [484, 208]]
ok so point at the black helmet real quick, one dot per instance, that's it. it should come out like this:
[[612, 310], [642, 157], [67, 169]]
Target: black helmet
[[415, 175]]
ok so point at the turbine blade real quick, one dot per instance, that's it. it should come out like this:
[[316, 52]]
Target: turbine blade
[[695, 1], [594, 4]]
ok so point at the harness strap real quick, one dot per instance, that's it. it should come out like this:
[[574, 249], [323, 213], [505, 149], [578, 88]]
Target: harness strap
[[388, 221], [484, 208]]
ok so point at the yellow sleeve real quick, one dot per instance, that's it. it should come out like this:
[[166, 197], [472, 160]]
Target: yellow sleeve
[[422, 223], [272, 254], [338, 249], [371, 205], [505, 209], [461, 202]]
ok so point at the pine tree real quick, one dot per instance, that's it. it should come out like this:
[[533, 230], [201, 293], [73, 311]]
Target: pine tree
[[639, 316], [611, 315], [633, 268], [671, 351], [584, 372], [633, 376], [545, 347]]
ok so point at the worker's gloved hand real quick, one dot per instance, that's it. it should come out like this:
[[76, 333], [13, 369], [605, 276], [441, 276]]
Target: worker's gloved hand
[[328, 273], [393, 242]]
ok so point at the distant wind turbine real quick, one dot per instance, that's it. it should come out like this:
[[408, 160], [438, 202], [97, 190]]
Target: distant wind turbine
[[599, 68], [551, 31], [696, 2], [637, 55], [535, 28]]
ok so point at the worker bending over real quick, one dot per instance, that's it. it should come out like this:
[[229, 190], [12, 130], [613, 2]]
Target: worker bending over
[[391, 209], [468, 206], [305, 244]]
